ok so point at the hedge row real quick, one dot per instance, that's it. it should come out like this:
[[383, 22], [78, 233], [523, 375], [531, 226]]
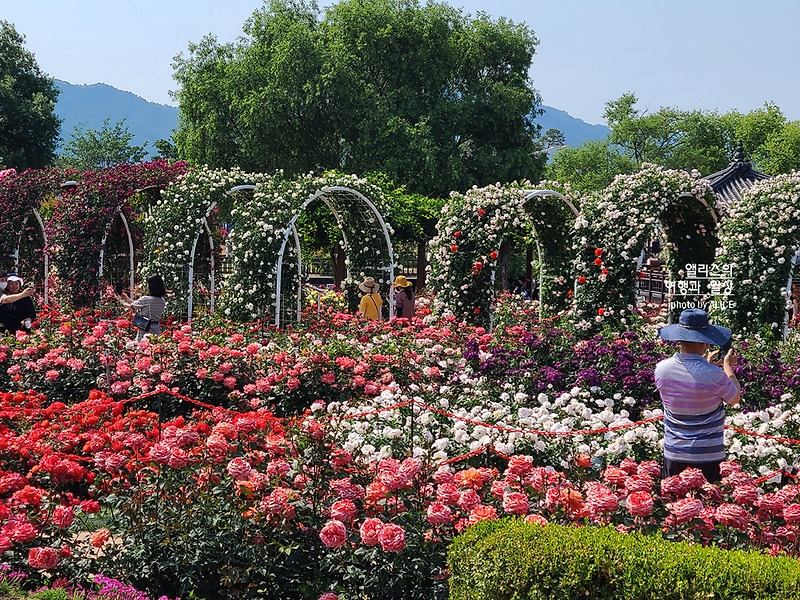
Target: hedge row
[[513, 560]]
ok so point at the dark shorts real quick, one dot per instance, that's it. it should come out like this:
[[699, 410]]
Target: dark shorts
[[709, 469]]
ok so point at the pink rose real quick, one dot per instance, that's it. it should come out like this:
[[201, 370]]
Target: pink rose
[[333, 534], [448, 493], [536, 519], [23, 532], [343, 510], [468, 499], [239, 469], [370, 531], [520, 465], [439, 513], [639, 504], [515, 503], [745, 494], [328, 596], [63, 516], [693, 478], [392, 537], [792, 513], [43, 558], [686, 509], [733, 515]]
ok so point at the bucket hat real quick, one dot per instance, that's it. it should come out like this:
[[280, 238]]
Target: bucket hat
[[401, 281], [694, 326]]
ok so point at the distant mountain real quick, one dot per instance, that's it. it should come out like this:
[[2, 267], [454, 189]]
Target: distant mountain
[[576, 131], [88, 106]]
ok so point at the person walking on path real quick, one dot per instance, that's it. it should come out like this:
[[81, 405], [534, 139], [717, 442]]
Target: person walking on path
[[694, 387], [371, 301]]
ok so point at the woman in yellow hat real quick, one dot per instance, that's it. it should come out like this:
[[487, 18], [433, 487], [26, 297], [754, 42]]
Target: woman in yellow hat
[[403, 298]]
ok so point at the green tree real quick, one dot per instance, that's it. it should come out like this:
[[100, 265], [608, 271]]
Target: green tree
[[672, 138], [28, 124], [591, 166], [105, 147], [435, 99]]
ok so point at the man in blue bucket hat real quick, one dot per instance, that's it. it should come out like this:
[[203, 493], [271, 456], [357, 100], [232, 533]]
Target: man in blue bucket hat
[[694, 387]]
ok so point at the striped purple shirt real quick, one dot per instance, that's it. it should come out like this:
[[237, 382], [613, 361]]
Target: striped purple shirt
[[693, 391]]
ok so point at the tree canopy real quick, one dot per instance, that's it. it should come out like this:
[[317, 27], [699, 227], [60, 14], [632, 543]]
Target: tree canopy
[[432, 97], [28, 124], [108, 146], [678, 139]]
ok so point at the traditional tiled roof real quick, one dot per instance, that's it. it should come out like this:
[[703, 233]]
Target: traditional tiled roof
[[733, 180]]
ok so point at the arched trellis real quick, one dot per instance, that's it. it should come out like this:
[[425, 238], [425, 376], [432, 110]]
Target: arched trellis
[[472, 240], [78, 247], [758, 242], [616, 223], [46, 260], [324, 195], [190, 206], [131, 257], [264, 226]]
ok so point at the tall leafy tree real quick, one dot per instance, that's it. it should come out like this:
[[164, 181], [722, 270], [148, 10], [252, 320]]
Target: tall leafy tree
[[591, 166], [431, 97], [98, 148], [28, 124]]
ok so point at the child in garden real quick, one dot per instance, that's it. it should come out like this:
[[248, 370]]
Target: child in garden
[[693, 391]]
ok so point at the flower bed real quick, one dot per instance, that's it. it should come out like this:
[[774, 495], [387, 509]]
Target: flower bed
[[389, 439]]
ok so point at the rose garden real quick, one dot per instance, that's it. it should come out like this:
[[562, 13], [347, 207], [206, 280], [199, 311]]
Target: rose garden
[[270, 444]]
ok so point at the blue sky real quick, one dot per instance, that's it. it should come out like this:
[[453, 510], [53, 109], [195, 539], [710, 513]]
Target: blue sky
[[691, 54]]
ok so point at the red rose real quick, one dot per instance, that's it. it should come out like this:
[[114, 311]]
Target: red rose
[[343, 510], [601, 311], [598, 261], [478, 266], [477, 310], [493, 255], [581, 279], [605, 271], [481, 212], [686, 509], [792, 513], [43, 558], [392, 537], [457, 234], [453, 248], [334, 534], [63, 516], [733, 515], [598, 252]]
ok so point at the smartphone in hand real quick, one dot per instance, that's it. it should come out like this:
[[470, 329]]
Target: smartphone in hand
[[118, 287], [723, 350]]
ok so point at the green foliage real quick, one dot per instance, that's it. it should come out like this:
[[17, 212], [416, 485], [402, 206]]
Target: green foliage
[[590, 167], [431, 97], [513, 559], [28, 123], [98, 148]]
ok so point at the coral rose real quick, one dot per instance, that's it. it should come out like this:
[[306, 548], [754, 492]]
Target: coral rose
[[536, 519], [343, 510], [639, 504], [100, 537], [482, 513]]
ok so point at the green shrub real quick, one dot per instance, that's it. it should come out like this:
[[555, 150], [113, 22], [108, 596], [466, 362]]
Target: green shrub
[[514, 560]]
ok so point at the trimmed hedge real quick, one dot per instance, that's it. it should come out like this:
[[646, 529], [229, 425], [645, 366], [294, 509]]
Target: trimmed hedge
[[513, 560]]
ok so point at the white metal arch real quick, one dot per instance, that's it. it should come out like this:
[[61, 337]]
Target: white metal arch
[[46, 274], [212, 278], [131, 263], [291, 228]]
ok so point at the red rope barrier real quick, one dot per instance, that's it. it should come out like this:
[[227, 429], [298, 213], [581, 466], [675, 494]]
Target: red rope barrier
[[783, 440]]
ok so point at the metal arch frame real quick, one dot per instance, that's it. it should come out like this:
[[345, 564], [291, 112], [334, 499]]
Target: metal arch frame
[[46, 274], [192, 254], [529, 196], [292, 228], [704, 203], [131, 265]]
